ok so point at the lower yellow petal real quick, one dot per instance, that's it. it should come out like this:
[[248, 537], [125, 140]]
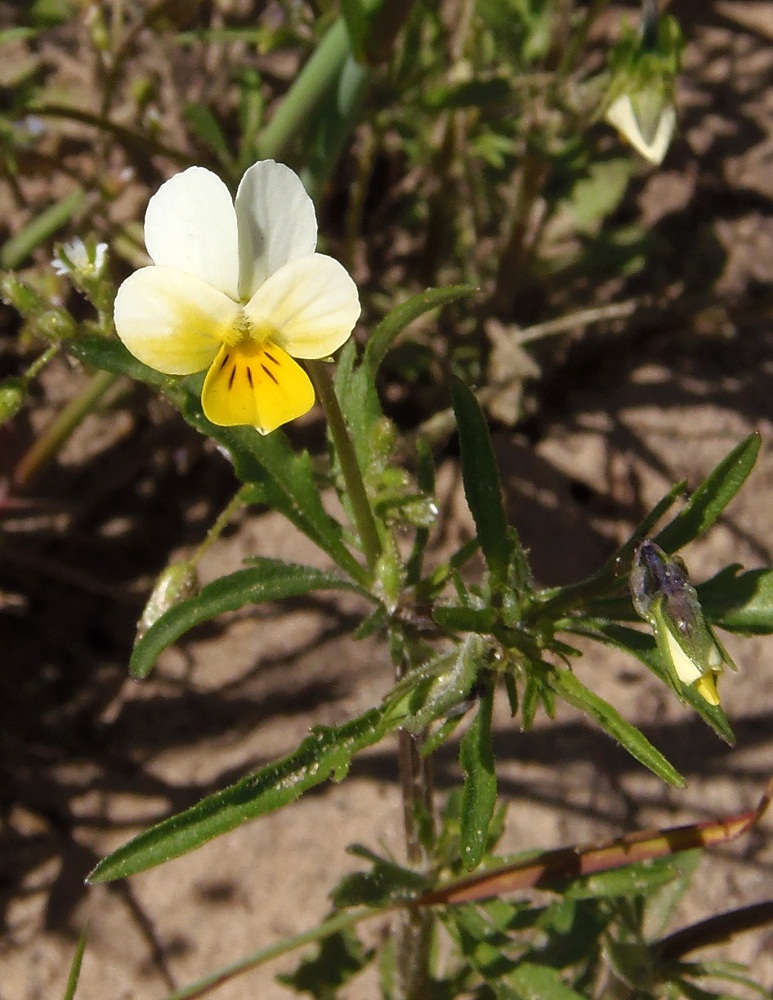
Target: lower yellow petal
[[706, 687], [256, 384]]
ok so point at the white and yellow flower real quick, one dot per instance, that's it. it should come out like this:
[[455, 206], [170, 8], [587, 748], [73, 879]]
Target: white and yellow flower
[[237, 288]]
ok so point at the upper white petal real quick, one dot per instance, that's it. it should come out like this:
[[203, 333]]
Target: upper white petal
[[171, 320], [311, 305], [277, 223], [190, 224]]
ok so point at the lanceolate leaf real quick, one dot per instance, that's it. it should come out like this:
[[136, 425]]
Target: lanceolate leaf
[[112, 356], [480, 783], [711, 497], [396, 321], [740, 602], [270, 580], [568, 687], [326, 753], [356, 383], [285, 477], [530, 980], [481, 480]]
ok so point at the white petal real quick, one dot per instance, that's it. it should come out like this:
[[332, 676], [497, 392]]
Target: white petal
[[686, 670], [277, 223], [621, 114], [310, 305], [171, 320], [190, 224]]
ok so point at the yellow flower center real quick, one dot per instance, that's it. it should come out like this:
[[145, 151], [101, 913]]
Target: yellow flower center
[[243, 331]]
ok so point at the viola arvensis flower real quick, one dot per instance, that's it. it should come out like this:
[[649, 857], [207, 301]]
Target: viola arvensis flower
[[237, 288], [646, 120]]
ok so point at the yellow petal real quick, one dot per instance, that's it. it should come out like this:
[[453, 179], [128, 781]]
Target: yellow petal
[[706, 686], [257, 384], [310, 305], [173, 321]]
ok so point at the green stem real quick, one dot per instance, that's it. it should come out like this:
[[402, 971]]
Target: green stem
[[414, 927], [217, 528], [579, 38], [59, 430], [40, 363], [309, 89], [342, 442], [337, 923]]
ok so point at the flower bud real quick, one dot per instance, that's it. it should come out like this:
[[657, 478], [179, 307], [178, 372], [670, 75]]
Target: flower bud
[[24, 299], [174, 584], [640, 101], [13, 392], [664, 597]]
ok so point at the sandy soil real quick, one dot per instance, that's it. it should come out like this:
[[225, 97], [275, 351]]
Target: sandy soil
[[87, 757]]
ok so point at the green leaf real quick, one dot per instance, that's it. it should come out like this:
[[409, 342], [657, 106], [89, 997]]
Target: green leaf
[[480, 620], [481, 481], [712, 496], [326, 752], [480, 784], [355, 15], [401, 316], [75, 968], [540, 982], [112, 356], [385, 884], [207, 128], [440, 685], [740, 602], [16, 250], [476, 93], [356, 383], [642, 878], [270, 580], [568, 687], [286, 478]]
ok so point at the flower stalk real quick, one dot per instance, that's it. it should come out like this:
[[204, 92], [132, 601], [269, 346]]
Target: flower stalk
[[350, 469]]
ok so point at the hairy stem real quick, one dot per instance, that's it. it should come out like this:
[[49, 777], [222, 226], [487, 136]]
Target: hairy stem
[[414, 927], [342, 442]]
